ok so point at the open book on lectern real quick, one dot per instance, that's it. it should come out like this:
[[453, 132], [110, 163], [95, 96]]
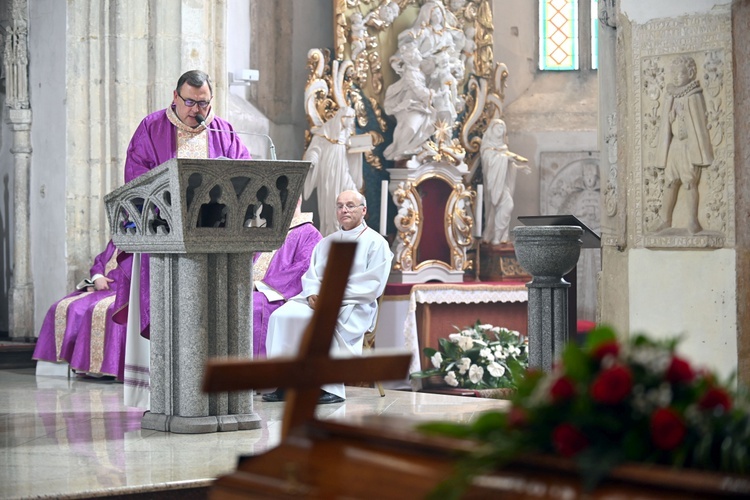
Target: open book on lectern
[[589, 239]]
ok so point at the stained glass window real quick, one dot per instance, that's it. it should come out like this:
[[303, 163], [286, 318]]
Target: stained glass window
[[563, 24], [558, 38], [594, 34]]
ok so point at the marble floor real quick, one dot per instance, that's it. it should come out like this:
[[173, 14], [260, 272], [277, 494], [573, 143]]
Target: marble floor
[[74, 438]]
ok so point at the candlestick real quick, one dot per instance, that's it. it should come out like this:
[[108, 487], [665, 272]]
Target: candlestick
[[478, 229], [383, 207], [478, 211]]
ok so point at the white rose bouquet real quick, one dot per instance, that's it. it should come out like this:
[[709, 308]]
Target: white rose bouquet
[[478, 357]]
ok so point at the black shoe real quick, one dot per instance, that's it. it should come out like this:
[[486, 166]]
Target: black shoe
[[327, 398], [274, 397]]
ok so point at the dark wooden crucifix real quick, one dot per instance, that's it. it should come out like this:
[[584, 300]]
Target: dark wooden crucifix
[[312, 367]]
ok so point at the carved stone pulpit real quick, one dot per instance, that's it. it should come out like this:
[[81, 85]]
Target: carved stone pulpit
[[200, 221]]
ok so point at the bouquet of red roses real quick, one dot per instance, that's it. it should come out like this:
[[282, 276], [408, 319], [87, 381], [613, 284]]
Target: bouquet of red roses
[[611, 402]]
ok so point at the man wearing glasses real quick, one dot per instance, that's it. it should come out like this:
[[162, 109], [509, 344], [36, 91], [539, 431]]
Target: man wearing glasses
[[179, 131], [367, 280], [176, 132]]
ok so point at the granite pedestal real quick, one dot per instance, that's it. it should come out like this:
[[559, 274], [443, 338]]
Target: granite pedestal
[[194, 219], [547, 253]]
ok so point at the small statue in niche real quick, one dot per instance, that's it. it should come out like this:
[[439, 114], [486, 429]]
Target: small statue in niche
[[358, 35], [685, 145], [410, 102], [334, 168], [499, 168], [432, 33], [446, 98], [382, 17], [425, 99], [470, 46]]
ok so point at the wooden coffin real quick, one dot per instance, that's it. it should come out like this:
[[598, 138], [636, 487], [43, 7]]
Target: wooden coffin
[[385, 457]]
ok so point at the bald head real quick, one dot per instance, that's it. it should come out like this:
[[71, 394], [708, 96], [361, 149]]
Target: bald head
[[351, 207]]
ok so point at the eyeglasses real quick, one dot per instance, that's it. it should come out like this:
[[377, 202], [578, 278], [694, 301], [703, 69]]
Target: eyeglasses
[[190, 103], [349, 207]]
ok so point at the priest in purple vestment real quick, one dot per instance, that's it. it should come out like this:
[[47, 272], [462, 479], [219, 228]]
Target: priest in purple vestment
[[278, 274], [175, 132], [188, 128], [79, 327]]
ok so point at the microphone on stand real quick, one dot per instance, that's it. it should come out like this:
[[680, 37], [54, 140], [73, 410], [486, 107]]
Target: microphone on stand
[[202, 121]]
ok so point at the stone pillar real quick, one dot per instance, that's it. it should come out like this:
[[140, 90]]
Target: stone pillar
[[547, 253], [203, 315], [16, 62], [21, 307]]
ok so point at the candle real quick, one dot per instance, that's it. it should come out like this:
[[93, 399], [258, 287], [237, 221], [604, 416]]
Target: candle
[[478, 211], [383, 206]]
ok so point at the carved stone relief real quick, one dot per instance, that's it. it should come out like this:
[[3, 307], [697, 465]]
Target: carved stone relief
[[614, 124], [683, 149], [608, 12], [570, 184]]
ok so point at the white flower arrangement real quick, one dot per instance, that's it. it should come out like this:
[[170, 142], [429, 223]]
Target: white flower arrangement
[[478, 357]]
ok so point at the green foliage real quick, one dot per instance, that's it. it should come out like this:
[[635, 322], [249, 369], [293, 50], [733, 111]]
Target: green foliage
[[610, 402], [478, 357]]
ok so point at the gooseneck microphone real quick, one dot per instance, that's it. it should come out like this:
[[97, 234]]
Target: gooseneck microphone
[[202, 121]]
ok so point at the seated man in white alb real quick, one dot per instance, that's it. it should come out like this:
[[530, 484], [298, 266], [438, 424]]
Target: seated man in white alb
[[367, 280]]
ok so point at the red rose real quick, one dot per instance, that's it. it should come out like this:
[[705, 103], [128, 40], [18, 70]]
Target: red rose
[[679, 371], [517, 417], [562, 389], [667, 428], [611, 347], [568, 440], [612, 385], [713, 398]]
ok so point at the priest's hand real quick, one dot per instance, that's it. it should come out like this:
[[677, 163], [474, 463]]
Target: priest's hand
[[102, 283], [311, 301]]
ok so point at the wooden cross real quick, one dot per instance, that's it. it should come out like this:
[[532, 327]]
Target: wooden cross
[[303, 374]]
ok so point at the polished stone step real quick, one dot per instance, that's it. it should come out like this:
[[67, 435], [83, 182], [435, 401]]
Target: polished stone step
[[16, 354]]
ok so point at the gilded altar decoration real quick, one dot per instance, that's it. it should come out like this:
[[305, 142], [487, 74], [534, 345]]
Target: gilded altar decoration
[[438, 54], [459, 220], [422, 85], [407, 223]]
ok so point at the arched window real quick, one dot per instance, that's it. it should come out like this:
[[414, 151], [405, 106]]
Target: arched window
[[568, 33]]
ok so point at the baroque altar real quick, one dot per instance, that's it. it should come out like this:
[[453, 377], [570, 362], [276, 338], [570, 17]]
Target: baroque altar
[[399, 110]]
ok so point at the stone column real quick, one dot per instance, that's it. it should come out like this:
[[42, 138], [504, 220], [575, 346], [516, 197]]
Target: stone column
[[200, 310], [547, 253], [16, 61], [21, 307]]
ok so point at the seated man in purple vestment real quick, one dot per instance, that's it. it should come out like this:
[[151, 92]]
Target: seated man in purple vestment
[[278, 274], [187, 128], [79, 328]]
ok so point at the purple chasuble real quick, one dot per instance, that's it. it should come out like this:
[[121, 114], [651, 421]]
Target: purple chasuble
[[153, 143], [79, 328], [284, 275]]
